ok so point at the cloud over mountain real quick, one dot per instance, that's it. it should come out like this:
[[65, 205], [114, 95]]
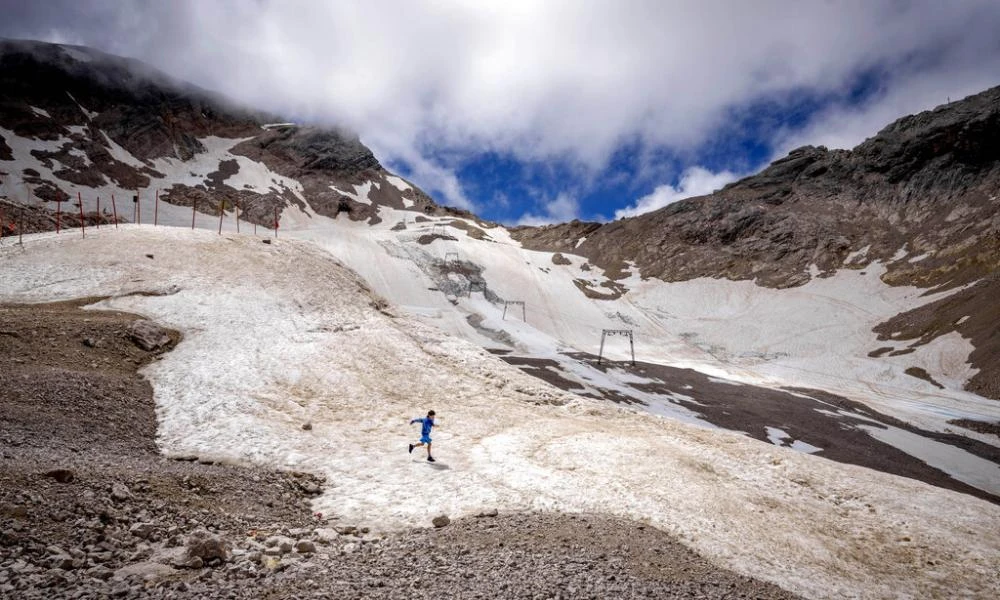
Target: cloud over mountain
[[429, 84]]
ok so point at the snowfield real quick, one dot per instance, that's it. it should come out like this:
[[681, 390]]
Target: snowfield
[[282, 334]]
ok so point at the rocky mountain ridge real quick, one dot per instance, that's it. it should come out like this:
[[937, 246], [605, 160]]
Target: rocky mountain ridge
[[84, 106], [920, 196]]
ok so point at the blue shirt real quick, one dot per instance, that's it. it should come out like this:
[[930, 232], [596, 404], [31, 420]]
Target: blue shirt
[[428, 422]]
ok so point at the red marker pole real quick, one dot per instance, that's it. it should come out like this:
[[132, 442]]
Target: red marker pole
[[275, 222], [83, 225], [221, 212], [114, 210], [156, 208], [58, 212]]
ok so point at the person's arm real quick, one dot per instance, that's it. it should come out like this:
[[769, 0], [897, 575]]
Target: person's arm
[[412, 421]]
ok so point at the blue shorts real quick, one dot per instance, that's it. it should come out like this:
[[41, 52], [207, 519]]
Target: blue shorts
[[426, 439]]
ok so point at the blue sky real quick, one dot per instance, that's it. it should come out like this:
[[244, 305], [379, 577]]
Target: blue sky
[[535, 112]]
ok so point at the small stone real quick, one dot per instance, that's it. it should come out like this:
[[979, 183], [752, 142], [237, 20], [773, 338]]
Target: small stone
[[350, 548], [142, 530], [325, 535], [307, 426], [149, 256], [305, 547], [120, 492], [441, 521], [266, 240], [90, 342]]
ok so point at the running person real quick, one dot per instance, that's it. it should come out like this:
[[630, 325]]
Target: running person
[[425, 433]]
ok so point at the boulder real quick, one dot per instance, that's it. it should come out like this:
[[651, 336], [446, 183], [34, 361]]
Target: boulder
[[148, 335], [120, 492], [207, 546], [441, 521], [142, 530]]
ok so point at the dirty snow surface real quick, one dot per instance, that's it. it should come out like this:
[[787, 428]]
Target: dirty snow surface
[[277, 335]]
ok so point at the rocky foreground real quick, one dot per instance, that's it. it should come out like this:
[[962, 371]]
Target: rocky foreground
[[90, 508]]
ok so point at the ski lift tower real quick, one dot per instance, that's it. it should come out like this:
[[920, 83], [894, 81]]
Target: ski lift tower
[[613, 332]]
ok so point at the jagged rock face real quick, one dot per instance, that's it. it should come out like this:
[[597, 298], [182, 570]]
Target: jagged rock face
[[143, 110], [86, 102], [925, 185]]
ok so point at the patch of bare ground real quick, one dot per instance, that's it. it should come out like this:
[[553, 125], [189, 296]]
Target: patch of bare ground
[[90, 509], [980, 426], [471, 230], [615, 290], [975, 314], [920, 373], [429, 238]]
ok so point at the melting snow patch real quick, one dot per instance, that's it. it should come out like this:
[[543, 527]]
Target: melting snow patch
[[859, 254], [725, 381], [777, 436], [41, 112], [805, 448], [580, 241], [959, 464], [398, 183], [916, 259], [358, 194], [962, 320]]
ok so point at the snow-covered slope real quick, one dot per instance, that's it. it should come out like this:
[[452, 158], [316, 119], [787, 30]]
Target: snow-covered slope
[[276, 335]]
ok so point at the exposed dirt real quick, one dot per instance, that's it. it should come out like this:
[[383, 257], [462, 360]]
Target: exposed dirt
[[980, 426], [89, 508], [974, 313]]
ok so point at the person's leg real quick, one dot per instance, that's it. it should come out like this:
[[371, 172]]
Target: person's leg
[[428, 449]]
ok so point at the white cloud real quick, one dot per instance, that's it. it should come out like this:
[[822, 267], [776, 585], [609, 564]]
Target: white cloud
[[695, 181], [560, 79], [561, 209]]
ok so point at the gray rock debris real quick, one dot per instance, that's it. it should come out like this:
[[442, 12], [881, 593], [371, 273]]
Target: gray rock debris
[[148, 335]]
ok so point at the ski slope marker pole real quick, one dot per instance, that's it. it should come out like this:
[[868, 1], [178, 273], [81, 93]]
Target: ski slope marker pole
[[237, 217], [275, 222], [114, 210], [58, 212], [194, 209], [156, 209], [83, 225], [100, 217]]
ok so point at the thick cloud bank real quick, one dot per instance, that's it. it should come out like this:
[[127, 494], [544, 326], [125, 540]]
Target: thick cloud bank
[[429, 84]]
